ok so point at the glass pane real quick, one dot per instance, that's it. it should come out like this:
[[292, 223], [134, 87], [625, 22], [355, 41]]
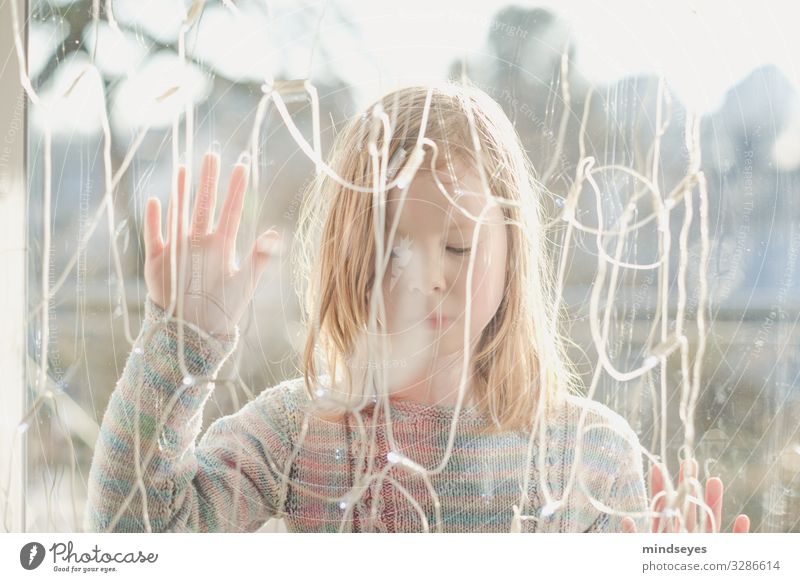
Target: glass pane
[[665, 168]]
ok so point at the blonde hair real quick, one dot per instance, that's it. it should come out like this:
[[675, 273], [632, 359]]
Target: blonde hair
[[519, 361]]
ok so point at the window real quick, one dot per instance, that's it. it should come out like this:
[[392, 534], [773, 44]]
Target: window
[[111, 124]]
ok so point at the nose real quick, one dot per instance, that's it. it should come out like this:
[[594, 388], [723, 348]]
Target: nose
[[427, 271]]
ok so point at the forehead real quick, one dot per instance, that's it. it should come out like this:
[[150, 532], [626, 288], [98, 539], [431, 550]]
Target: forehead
[[462, 184]]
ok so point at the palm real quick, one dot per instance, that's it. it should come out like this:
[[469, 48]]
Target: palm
[[214, 290]]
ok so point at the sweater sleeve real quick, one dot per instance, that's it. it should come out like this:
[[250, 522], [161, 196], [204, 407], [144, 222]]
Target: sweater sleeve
[[230, 481], [627, 492]]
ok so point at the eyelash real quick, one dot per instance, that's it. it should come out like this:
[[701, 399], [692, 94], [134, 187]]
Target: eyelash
[[457, 251], [464, 251]]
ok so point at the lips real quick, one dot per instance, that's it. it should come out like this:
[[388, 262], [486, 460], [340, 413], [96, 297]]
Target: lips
[[438, 321]]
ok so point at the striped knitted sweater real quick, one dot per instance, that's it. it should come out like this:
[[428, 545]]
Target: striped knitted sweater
[[272, 459]]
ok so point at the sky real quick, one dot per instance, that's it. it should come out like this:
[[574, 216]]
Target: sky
[[702, 47]]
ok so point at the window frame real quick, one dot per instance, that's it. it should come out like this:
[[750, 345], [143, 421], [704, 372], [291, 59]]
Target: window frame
[[13, 263]]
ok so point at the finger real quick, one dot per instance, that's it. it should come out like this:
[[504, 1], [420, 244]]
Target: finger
[[656, 487], [153, 243], [170, 212], [688, 474], [628, 525], [231, 214], [203, 213], [266, 246], [742, 524], [714, 501]]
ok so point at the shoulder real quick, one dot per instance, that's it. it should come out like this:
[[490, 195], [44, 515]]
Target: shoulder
[[596, 412], [293, 391], [279, 407], [290, 397], [294, 399], [603, 431]]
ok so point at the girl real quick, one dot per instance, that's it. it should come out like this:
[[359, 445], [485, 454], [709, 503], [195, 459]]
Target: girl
[[435, 393]]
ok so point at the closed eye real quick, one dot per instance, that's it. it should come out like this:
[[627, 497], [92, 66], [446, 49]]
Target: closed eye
[[459, 251]]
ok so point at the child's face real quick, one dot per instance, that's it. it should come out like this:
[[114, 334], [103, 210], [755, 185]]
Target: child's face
[[427, 274]]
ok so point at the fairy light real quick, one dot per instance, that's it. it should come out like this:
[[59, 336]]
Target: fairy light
[[400, 170]]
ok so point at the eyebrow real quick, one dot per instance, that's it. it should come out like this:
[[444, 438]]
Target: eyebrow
[[460, 225], [457, 216], [460, 219]]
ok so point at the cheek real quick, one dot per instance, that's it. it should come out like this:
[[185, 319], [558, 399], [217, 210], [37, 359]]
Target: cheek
[[488, 280], [397, 304], [389, 296]]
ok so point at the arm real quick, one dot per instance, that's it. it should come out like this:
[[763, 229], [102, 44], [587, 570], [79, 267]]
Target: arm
[[627, 492], [188, 487]]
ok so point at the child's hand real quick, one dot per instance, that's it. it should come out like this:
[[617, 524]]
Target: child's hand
[[713, 498], [216, 291]]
